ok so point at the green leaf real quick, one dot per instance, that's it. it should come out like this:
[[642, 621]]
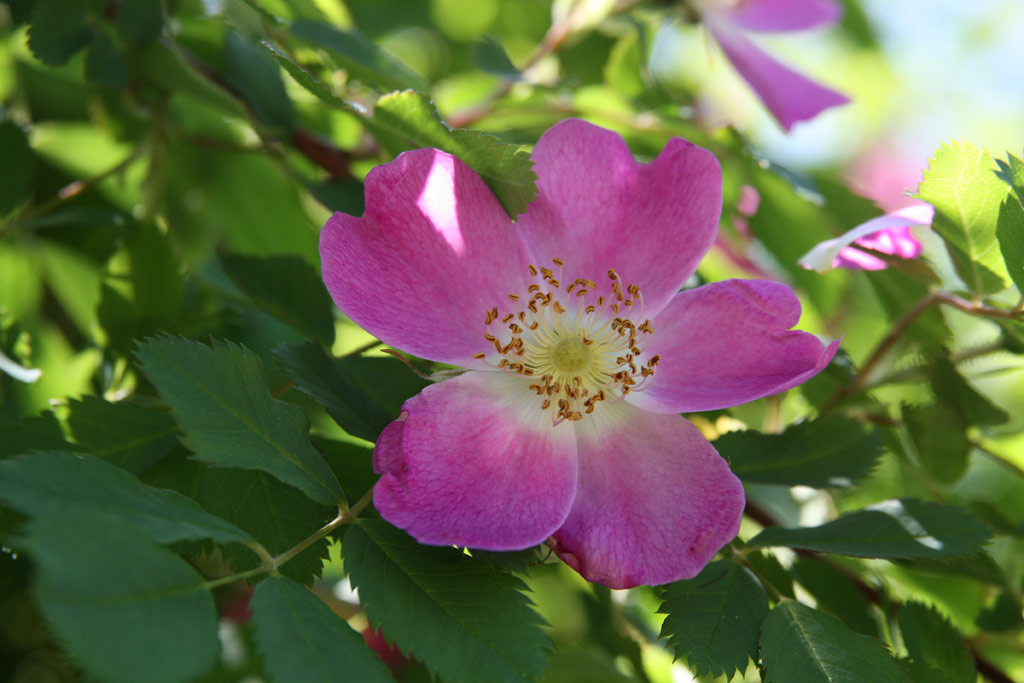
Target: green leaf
[[961, 184], [713, 619], [906, 528], [824, 452], [46, 483], [142, 290], [123, 434], [363, 59], [407, 120], [897, 292], [255, 75], [301, 639], [358, 393], [220, 397], [1006, 613], [1011, 172], [352, 465], [125, 608], [461, 617], [950, 387], [59, 30], [626, 63], [802, 645], [104, 64], [1010, 234], [139, 21], [939, 436], [40, 433], [836, 593], [287, 288], [277, 515], [487, 54], [19, 164], [931, 640], [771, 572]]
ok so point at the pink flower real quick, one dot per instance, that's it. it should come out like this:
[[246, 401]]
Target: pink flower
[[789, 96], [580, 348], [888, 234]]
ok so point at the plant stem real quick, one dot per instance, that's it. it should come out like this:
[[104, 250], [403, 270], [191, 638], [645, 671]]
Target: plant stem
[[271, 564]]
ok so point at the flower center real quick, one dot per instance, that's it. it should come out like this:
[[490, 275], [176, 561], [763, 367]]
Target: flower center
[[580, 347]]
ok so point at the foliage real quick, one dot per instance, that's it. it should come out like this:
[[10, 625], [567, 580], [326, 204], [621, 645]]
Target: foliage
[[175, 485]]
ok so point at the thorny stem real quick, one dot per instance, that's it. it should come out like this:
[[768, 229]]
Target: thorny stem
[[270, 563], [861, 381], [883, 600]]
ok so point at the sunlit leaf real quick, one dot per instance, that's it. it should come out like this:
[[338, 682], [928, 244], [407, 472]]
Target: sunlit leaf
[[960, 182]]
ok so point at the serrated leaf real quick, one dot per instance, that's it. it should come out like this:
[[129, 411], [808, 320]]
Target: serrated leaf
[[408, 120], [59, 30], [359, 55], [824, 452], [713, 619], [933, 641], [19, 164], [487, 54], [836, 593], [142, 289], [255, 75], [352, 465], [126, 609], [465, 620], [1011, 172], [301, 639], [906, 528], [938, 433], [277, 515], [140, 21], [961, 184], [1010, 234], [220, 397], [123, 434], [771, 572], [800, 644], [897, 292], [104, 64], [287, 288], [362, 395], [44, 484]]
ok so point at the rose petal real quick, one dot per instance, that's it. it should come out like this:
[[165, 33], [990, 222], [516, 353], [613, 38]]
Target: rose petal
[[431, 255], [788, 95], [599, 209], [655, 500], [770, 16], [727, 343], [829, 254], [476, 463]]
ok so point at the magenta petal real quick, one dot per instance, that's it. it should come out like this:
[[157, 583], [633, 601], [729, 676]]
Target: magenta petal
[[727, 343], [473, 462], [431, 255], [655, 500], [783, 15], [788, 95], [599, 209]]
